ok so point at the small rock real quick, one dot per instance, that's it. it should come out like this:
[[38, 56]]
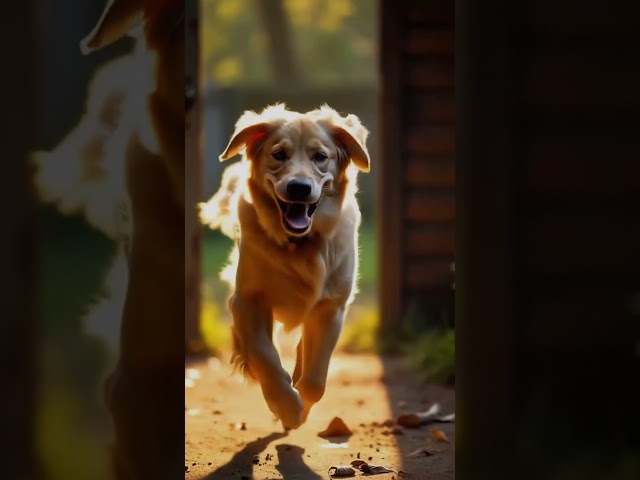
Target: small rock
[[256, 459]]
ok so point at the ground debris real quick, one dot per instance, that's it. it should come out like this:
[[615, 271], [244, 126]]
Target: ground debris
[[439, 435], [416, 419], [422, 452], [364, 467], [341, 471], [336, 428]]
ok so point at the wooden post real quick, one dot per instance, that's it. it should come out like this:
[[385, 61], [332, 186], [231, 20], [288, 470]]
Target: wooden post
[[390, 194], [17, 294], [193, 177]]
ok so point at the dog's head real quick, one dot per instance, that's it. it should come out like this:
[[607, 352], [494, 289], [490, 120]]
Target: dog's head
[[301, 166]]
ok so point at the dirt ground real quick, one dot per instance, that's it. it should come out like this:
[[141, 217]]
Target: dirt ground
[[364, 390]]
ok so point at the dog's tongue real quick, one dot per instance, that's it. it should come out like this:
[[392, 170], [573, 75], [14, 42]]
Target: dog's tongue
[[296, 215]]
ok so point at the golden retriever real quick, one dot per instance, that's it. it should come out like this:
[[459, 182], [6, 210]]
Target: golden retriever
[[291, 205]]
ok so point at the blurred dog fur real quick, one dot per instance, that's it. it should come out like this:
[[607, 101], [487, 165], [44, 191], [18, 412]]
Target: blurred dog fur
[[85, 174], [291, 206], [122, 168]]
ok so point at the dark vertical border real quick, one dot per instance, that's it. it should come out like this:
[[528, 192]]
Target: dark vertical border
[[390, 186], [193, 176], [485, 238], [19, 334]]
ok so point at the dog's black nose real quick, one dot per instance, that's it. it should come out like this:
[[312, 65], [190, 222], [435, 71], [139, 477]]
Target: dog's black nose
[[299, 189]]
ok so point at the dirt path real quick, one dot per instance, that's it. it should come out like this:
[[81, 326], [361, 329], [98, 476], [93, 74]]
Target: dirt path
[[364, 390]]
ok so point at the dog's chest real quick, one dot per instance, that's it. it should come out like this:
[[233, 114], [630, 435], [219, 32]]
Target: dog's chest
[[293, 280]]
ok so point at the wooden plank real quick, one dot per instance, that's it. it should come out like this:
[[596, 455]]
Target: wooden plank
[[431, 140], [563, 81], [426, 41], [582, 244], [389, 178], [425, 172], [433, 206], [432, 74], [431, 240], [431, 107], [429, 274], [432, 13]]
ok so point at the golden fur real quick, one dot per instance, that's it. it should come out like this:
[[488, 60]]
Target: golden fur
[[283, 268]]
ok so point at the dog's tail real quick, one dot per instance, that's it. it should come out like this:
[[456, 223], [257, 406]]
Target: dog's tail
[[221, 211]]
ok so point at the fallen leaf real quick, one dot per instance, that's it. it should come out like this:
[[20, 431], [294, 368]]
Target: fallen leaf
[[414, 420], [375, 469], [422, 452], [439, 435], [446, 418], [358, 463], [341, 471], [336, 428]]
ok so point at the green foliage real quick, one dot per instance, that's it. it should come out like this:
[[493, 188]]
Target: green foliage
[[359, 334], [333, 41], [434, 356], [214, 327]]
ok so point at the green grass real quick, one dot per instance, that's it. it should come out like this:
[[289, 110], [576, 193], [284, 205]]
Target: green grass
[[433, 355]]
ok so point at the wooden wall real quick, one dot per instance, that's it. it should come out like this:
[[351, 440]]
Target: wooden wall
[[417, 181]]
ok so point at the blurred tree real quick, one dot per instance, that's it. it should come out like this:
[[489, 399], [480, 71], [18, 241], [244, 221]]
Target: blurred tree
[[322, 42]]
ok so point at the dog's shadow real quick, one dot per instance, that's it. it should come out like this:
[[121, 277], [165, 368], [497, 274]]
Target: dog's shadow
[[290, 461]]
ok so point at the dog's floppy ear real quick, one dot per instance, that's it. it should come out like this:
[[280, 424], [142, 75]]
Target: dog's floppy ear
[[244, 137], [118, 18], [354, 137]]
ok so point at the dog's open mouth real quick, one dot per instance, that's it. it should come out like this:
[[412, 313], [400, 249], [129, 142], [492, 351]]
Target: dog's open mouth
[[296, 216]]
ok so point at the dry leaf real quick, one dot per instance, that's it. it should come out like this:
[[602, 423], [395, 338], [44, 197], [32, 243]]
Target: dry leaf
[[414, 420], [336, 428], [422, 452], [446, 418], [341, 471], [439, 435], [375, 469]]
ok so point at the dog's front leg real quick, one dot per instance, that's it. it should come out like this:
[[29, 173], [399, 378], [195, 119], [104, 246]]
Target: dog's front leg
[[253, 323], [319, 338]]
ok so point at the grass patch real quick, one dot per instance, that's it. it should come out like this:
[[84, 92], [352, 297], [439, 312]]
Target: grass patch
[[433, 355]]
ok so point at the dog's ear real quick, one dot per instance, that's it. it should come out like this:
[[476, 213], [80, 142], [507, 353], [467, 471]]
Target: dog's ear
[[354, 140], [117, 19], [244, 137]]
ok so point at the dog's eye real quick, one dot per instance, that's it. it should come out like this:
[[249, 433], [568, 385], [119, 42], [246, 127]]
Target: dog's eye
[[319, 157], [279, 155]]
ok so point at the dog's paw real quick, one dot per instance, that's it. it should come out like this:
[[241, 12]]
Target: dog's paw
[[286, 404]]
